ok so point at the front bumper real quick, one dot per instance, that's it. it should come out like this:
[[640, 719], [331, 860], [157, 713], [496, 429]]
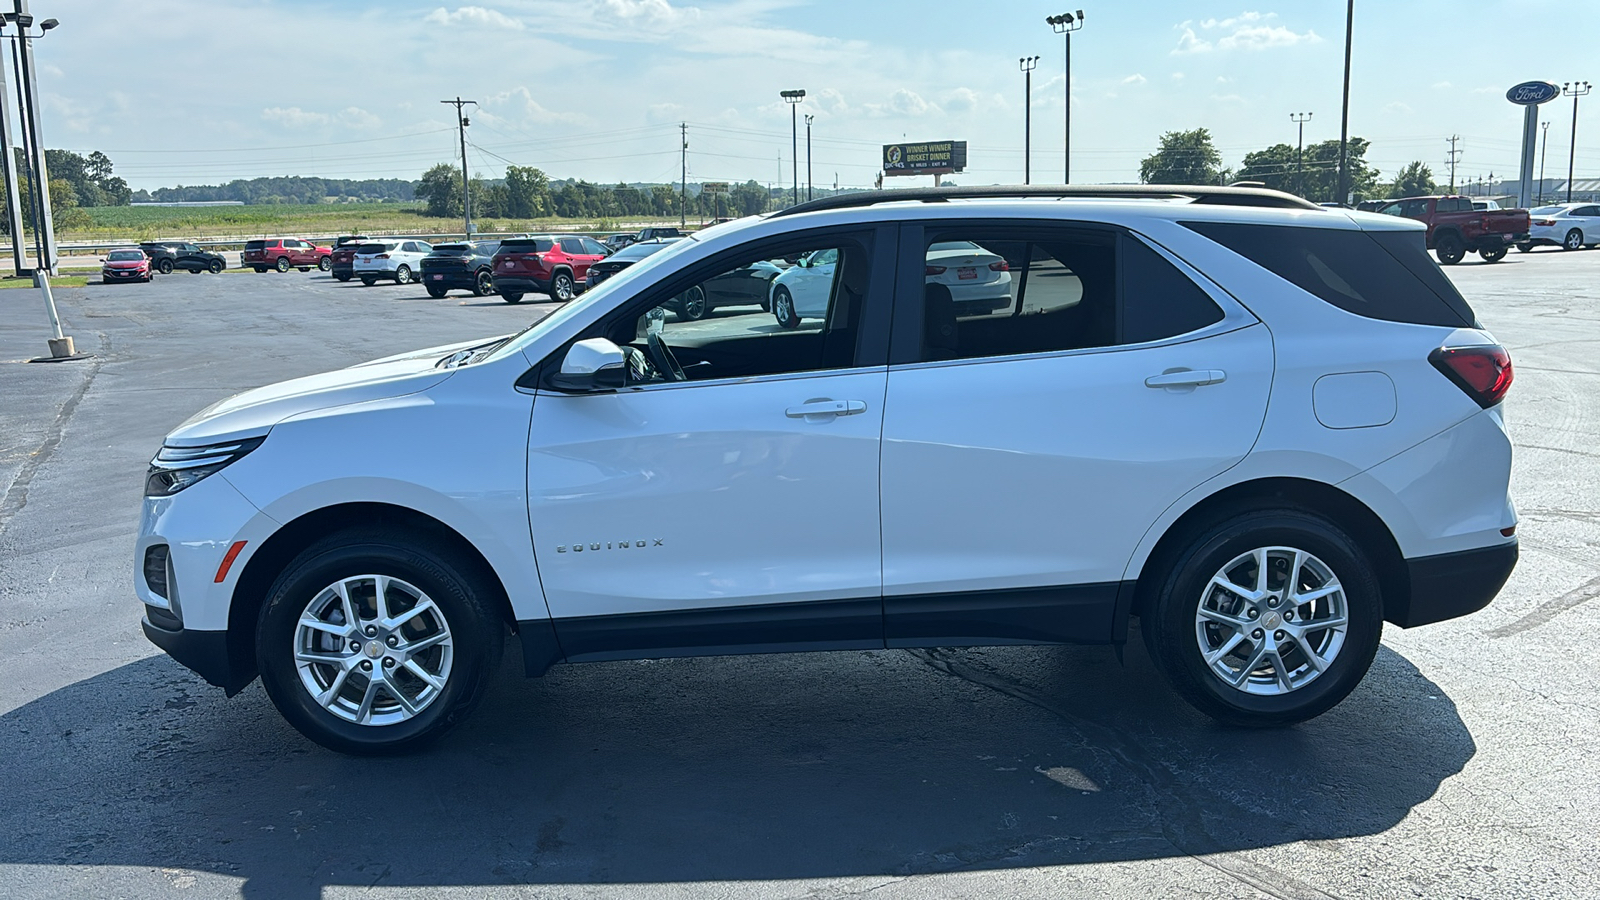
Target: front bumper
[[1451, 585], [206, 653]]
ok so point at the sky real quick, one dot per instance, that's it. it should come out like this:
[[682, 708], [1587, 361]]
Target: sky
[[205, 91]]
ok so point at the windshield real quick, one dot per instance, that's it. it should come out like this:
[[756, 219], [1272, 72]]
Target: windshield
[[623, 280], [640, 251], [126, 255]]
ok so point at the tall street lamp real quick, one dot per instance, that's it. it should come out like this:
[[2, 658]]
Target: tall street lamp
[[1344, 110], [1027, 64], [1544, 144], [793, 98], [1573, 89], [1299, 149], [809, 119], [1065, 24]]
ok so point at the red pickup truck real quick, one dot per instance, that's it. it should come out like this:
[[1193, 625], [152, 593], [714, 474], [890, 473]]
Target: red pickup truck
[[1456, 229]]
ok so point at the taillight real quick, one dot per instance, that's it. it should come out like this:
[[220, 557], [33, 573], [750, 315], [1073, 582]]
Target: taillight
[[933, 270], [381, 256], [1483, 372], [1001, 266], [1545, 222]]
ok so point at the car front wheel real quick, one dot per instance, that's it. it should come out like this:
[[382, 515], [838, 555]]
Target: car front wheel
[[1266, 618], [374, 642], [783, 308]]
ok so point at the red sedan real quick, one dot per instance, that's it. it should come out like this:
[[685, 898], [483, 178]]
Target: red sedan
[[125, 265]]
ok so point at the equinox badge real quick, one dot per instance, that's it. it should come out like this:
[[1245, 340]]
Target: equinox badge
[[610, 545]]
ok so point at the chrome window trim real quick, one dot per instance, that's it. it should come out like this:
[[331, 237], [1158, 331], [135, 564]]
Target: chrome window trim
[[719, 382]]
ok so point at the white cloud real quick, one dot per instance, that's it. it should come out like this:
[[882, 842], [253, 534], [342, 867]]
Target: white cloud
[[647, 10], [473, 15], [963, 100], [1188, 42], [910, 103], [1235, 21], [1440, 85], [1261, 37], [1177, 76], [294, 116], [532, 111], [1244, 32], [1398, 107], [356, 117], [1135, 78]]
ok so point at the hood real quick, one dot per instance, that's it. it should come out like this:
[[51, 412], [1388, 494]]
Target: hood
[[253, 413]]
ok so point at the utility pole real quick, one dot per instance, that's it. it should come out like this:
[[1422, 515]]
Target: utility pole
[[793, 98], [1065, 24], [1455, 156], [1344, 113], [1299, 149], [1544, 144], [809, 119], [1027, 64], [1574, 90], [466, 190], [683, 160]]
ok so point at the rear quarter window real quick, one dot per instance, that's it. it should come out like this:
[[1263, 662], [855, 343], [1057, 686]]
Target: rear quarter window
[[1384, 275]]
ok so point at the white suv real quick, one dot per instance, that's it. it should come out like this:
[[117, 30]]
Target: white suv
[[1261, 427], [396, 259]]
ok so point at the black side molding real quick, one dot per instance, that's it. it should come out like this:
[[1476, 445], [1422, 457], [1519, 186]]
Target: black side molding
[[206, 653], [1451, 585]]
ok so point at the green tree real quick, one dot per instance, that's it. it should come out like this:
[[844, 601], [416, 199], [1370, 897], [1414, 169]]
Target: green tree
[[527, 191], [440, 187], [1184, 157], [1414, 179], [1273, 167], [1322, 172]]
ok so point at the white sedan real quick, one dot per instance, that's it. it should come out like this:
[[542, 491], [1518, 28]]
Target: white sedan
[[804, 289], [1571, 226], [979, 281]]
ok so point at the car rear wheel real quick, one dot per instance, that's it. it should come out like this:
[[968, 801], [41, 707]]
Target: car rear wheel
[[436, 293], [283, 264], [561, 287], [692, 305], [511, 296], [376, 641], [215, 267], [783, 308], [484, 285], [341, 276], [324, 264], [1525, 247], [402, 275], [1450, 250], [1493, 254], [1574, 240], [369, 280], [164, 267], [1266, 618]]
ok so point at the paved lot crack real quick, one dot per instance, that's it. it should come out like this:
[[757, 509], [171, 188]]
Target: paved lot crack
[[16, 496], [1549, 610]]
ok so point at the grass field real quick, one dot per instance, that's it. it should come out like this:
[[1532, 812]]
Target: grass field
[[201, 222], [59, 281]]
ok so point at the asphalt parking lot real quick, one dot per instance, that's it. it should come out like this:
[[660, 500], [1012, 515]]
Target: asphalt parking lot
[[1461, 767]]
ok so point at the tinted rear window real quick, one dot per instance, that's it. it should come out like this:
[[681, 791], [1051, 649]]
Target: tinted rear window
[[374, 248], [451, 250], [527, 245], [639, 251], [1381, 275], [255, 245]]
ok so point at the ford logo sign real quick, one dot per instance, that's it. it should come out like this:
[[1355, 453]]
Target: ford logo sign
[[1533, 93]]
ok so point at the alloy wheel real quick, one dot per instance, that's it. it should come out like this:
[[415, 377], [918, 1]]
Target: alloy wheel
[[373, 650], [1271, 621]]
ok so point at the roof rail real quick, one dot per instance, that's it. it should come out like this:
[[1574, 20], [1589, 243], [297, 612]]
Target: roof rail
[[1221, 196]]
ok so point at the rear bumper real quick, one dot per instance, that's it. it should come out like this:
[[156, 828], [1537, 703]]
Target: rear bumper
[[206, 653], [521, 285], [452, 278], [1499, 240], [1451, 585]]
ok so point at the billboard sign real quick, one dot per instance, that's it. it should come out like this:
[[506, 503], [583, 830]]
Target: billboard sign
[[933, 158], [714, 187]]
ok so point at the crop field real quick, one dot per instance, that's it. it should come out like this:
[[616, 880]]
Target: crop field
[[136, 223]]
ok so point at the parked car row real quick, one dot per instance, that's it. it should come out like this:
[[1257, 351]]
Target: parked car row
[[141, 263]]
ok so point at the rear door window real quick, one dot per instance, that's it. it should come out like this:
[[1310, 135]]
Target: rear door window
[[1381, 274]]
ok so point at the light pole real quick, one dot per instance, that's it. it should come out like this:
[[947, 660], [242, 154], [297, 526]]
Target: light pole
[[1344, 109], [1027, 64], [809, 119], [793, 98], [466, 192], [1065, 24], [1544, 144], [1574, 89], [1300, 119]]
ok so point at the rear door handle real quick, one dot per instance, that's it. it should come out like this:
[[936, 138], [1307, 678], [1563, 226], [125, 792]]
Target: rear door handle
[[1186, 378], [823, 408]]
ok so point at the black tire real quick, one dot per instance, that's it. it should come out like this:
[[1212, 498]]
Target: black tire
[[1449, 250], [483, 285], [562, 288], [692, 306], [195, 271], [369, 280], [511, 296], [1494, 254], [324, 264], [259, 269], [783, 308], [1525, 247], [283, 264], [215, 267], [464, 603], [164, 267], [437, 293], [1573, 240], [342, 276], [1173, 636], [402, 275]]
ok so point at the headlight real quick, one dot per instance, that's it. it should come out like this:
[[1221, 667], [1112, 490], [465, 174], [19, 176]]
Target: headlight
[[176, 468]]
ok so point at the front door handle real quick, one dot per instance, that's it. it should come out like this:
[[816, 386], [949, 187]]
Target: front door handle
[[1186, 378], [818, 409]]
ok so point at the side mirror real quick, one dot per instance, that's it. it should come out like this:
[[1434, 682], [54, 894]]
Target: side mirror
[[591, 366]]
